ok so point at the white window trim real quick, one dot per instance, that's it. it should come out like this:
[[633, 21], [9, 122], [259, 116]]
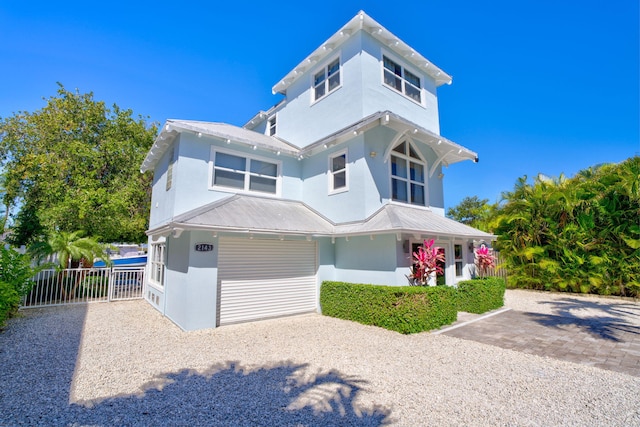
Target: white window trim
[[346, 172], [245, 190], [162, 263], [424, 164], [267, 131], [412, 70], [312, 92], [460, 260]]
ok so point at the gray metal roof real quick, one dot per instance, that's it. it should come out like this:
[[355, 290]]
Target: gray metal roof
[[222, 131], [255, 214], [251, 214], [398, 218]]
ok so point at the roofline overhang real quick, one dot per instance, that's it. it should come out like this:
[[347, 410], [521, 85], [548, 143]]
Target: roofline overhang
[[172, 128], [448, 151], [363, 22], [176, 228]]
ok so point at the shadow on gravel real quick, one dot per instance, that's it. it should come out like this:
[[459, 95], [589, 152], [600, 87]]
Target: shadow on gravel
[[38, 353], [230, 395], [607, 326]]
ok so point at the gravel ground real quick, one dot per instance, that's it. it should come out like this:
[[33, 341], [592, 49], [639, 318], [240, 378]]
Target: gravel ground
[[122, 364]]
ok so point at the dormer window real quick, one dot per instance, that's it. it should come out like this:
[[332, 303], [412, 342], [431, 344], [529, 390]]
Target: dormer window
[[402, 80], [407, 175], [327, 80]]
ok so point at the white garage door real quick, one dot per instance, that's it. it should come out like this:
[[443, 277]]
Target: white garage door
[[265, 278]]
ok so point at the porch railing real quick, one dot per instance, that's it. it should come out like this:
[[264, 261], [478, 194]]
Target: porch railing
[[83, 285]]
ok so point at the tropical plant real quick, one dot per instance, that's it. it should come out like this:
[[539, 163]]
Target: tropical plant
[[427, 261], [577, 234], [16, 280], [484, 259], [73, 250]]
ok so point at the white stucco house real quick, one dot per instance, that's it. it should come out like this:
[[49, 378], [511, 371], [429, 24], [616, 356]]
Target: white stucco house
[[338, 181]]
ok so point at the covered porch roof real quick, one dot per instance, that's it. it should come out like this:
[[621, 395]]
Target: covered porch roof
[[265, 215]]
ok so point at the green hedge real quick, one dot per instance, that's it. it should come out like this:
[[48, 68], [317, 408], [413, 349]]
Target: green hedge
[[9, 302], [481, 295], [405, 309]]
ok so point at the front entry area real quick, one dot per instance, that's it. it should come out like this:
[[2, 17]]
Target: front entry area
[[259, 279]]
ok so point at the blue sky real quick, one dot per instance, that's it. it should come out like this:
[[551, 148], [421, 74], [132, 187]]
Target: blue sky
[[538, 86]]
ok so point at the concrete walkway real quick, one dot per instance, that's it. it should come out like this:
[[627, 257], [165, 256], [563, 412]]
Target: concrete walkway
[[600, 332]]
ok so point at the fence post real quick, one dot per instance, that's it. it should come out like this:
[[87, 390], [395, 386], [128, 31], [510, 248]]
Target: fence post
[[111, 284]]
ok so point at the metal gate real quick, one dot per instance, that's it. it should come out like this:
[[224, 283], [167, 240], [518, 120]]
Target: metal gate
[[83, 285]]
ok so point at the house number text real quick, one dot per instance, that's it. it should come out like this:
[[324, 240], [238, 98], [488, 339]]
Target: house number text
[[204, 247]]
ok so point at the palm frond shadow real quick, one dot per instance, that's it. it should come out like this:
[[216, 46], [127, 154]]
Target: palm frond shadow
[[229, 394], [604, 320]]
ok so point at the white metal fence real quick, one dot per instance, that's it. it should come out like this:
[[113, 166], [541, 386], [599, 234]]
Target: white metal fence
[[82, 285]]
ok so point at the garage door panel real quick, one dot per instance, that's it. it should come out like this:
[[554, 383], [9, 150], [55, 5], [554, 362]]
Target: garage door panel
[[265, 278]]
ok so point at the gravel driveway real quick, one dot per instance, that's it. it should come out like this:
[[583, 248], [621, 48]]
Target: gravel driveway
[[123, 364]]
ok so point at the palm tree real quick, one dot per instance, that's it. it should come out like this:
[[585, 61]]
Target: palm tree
[[70, 247]]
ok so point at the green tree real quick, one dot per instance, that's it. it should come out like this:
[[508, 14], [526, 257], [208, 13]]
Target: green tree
[[74, 165], [475, 212]]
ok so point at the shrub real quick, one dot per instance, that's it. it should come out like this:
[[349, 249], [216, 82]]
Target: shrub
[[481, 295], [404, 309], [9, 302]]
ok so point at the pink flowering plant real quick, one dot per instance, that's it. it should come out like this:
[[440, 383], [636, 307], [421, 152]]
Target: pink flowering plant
[[484, 260], [426, 261]]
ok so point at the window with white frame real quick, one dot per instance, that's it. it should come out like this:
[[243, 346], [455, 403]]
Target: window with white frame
[[157, 263], [338, 172], [327, 80], [402, 80], [271, 126], [457, 252], [407, 175], [240, 172]]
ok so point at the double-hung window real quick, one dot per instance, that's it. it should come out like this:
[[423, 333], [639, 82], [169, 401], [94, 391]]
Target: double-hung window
[[407, 175], [157, 263], [326, 80], [338, 172], [402, 80], [271, 126], [232, 171]]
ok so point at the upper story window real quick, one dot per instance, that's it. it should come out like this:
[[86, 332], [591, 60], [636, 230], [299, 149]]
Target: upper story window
[[402, 80], [327, 80], [172, 161], [338, 172], [271, 126], [243, 173], [407, 175]]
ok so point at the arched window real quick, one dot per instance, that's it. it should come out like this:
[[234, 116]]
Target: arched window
[[407, 175]]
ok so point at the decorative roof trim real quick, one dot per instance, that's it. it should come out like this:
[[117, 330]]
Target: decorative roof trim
[[363, 22]]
